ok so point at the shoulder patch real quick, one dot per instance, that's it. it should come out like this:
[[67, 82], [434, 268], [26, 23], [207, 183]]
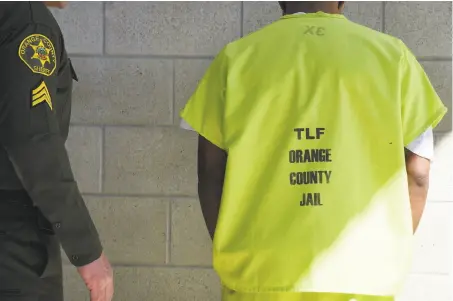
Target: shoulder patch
[[38, 53], [41, 94]]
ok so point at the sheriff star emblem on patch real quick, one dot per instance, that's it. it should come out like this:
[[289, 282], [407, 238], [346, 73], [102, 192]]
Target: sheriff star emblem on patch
[[38, 53]]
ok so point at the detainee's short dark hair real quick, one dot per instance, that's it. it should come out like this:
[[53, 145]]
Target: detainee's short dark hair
[[283, 4]]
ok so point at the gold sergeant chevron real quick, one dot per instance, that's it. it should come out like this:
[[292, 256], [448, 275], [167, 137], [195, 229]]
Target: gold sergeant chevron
[[41, 94]]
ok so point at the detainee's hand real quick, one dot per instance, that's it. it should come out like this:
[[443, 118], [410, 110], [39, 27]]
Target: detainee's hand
[[98, 277], [57, 4]]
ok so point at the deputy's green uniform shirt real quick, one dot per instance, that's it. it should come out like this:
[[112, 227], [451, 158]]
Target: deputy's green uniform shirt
[[35, 107], [314, 112]]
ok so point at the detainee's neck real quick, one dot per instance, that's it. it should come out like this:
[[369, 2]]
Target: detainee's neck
[[328, 9]]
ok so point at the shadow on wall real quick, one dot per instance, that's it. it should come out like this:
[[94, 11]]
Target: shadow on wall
[[439, 137]]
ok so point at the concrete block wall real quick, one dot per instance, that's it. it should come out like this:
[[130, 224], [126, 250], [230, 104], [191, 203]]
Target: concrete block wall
[[138, 62]]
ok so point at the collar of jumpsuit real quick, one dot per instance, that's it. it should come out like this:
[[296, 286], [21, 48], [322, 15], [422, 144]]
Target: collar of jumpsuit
[[318, 14]]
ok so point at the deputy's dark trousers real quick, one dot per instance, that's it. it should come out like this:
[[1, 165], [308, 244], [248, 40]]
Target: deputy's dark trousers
[[30, 259]]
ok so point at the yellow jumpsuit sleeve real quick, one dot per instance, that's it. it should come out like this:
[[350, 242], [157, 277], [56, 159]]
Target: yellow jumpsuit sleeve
[[421, 107], [204, 111]]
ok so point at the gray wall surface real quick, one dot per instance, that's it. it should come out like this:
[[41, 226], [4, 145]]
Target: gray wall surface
[[138, 62]]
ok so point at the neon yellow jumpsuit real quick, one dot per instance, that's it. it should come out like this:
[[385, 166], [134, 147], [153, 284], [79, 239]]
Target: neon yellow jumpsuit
[[314, 112]]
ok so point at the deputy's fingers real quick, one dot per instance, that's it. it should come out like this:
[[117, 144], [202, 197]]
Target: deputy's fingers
[[97, 294], [109, 292]]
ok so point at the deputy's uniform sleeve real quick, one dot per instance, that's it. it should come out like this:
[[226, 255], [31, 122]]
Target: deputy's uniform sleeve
[[29, 131], [421, 107], [204, 111]]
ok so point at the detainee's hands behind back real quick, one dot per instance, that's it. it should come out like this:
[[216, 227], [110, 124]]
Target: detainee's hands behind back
[[98, 277]]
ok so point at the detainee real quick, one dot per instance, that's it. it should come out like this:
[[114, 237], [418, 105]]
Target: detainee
[[315, 141]]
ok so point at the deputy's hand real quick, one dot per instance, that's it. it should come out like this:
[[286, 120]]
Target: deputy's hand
[[98, 277]]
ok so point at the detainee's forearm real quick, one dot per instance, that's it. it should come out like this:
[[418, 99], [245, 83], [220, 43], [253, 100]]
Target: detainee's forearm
[[210, 194], [418, 191]]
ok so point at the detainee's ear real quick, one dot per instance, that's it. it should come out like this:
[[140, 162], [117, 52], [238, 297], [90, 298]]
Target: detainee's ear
[[57, 4]]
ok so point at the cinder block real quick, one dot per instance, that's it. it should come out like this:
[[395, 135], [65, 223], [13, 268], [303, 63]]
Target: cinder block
[[441, 174], [433, 244], [84, 150], [187, 75], [74, 288], [258, 14], [132, 230], [427, 287], [171, 28], [156, 284], [160, 160], [190, 241], [439, 74], [424, 26], [368, 14], [123, 91], [82, 26]]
